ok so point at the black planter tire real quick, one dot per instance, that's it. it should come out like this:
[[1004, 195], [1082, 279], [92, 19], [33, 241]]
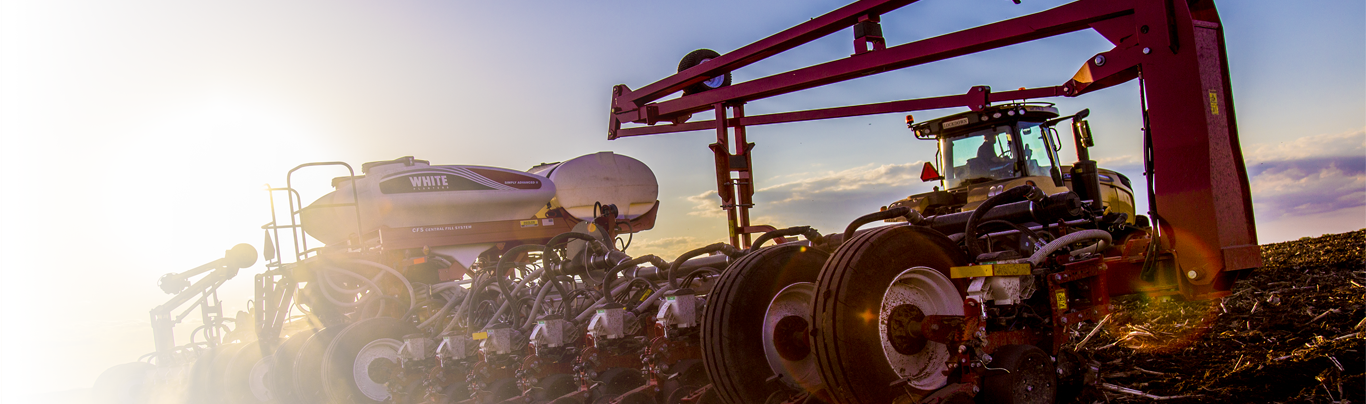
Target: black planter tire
[[848, 344], [282, 371], [308, 366], [1033, 379], [342, 382], [732, 332], [241, 385], [695, 58]]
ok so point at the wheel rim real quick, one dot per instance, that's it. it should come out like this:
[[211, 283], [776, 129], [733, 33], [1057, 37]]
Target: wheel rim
[[786, 326], [385, 349], [257, 379], [913, 294], [714, 82]]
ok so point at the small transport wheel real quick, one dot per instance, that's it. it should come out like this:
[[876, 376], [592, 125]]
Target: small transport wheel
[[765, 293], [873, 286], [358, 361], [128, 383], [698, 57], [1032, 378]]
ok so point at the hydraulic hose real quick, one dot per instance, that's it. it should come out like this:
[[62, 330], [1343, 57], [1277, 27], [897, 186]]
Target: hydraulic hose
[[1083, 235], [412, 297], [673, 268], [536, 305], [804, 231], [450, 302], [900, 211], [651, 258], [513, 252], [1029, 192]]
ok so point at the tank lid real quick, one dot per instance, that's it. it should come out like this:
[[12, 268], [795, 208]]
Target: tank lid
[[407, 161]]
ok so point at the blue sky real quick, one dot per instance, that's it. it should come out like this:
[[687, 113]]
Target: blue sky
[[137, 135]]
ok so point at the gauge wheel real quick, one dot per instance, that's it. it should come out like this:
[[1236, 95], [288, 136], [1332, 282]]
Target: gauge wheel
[[883, 274], [248, 375], [1031, 377], [308, 365], [281, 380], [769, 287], [358, 361], [698, 57]]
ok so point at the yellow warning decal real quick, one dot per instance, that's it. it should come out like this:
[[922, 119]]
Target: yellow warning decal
[[973, 271], [530, 223], [1061, 297], [480, 336], [1213, 102]]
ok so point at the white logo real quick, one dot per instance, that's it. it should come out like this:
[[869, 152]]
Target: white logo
[[428, 181]]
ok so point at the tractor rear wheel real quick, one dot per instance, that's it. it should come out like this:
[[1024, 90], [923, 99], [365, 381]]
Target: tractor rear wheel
[[871, 282], [765, 293]]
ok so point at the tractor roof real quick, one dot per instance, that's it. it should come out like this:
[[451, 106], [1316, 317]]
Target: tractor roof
[[971, 120]]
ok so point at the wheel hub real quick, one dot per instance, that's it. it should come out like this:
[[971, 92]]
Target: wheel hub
[[903, 329], [382, 352], [915, 293], [787, 329]]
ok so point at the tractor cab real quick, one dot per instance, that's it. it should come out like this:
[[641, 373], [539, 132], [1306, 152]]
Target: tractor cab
[[984, 152]]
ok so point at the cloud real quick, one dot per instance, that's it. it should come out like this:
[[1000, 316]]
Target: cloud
[[827, 200], [667, 247], [1308, 175]]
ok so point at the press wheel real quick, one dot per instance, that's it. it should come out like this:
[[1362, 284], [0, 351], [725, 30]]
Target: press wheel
[[735, 351], [881, 274]]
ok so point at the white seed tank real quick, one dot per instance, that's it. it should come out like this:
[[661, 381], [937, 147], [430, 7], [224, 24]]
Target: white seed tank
[[407, 192], [606, 178]]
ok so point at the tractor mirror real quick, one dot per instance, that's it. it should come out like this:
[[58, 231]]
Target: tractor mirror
[[268, 252], [928, 173]]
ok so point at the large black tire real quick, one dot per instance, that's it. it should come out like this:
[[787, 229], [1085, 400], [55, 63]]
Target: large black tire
[[128, 383], [308, 366], [282, 372], [732, 323], [240, 385], [847, 343], [695, 58], [341, 383], [1032, 378]]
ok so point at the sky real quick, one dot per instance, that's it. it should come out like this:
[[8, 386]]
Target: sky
[[137, 137]]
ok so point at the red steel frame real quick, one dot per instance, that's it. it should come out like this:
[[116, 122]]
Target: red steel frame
[[1201, 201]]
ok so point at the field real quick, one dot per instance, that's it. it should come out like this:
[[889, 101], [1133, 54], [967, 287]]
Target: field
[[1291, 331]]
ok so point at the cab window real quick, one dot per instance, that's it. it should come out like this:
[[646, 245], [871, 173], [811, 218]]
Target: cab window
[[1035, 150]]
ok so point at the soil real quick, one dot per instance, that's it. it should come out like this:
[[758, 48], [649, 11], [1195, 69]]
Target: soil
[[1292, 331]]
